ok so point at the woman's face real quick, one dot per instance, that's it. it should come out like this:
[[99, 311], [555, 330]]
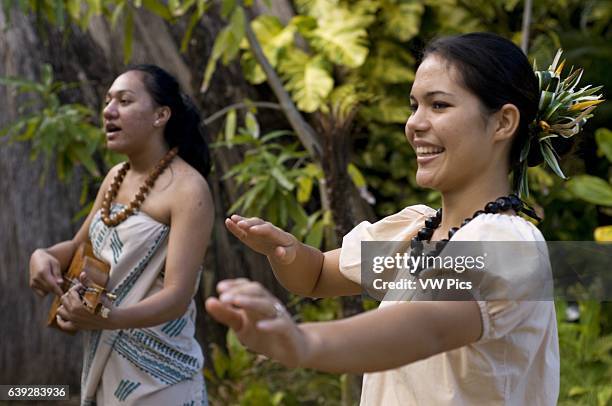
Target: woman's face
[[129, 114], [447, 129]]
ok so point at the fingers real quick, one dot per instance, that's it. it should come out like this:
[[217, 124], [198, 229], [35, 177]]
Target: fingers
[[239, 226], [232, 288], [56, 271], [224, 313], [39, 292], [49, 283], [268, 307], [276, 325], [64, 324]]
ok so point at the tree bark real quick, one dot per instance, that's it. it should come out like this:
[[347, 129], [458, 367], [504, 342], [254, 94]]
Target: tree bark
[[30, 216]]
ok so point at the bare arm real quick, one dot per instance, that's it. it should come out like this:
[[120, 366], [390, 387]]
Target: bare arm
[[300, 268], [191, 225], [383, 339], [47, 264], [191, 222]]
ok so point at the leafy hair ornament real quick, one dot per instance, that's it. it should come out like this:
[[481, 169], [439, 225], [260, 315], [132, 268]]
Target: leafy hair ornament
[[562, 112]]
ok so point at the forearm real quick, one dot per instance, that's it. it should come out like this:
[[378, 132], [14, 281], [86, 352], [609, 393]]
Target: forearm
[[62, 251], [302, 274], [390, 337], [161, 307]]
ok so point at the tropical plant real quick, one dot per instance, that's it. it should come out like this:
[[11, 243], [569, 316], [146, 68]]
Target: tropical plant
[[586, 356]]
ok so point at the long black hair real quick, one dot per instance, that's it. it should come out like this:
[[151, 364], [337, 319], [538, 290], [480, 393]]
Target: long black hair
[[497, 72], [184, 128]]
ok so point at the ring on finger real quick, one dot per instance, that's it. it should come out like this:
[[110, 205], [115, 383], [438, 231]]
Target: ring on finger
[[279, 310]]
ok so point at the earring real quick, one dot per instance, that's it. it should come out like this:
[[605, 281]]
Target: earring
[[156, 123]]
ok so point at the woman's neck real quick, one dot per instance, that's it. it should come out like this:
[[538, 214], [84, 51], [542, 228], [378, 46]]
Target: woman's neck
[[144, 160], [459, 204]]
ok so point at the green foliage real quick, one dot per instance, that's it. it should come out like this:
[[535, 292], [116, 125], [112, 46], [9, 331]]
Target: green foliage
[[241, 378], [63, 132], [277, 179], [586, 356]]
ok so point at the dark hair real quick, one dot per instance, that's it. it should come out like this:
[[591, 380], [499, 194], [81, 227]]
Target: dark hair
[[497, 72], [184, 129]]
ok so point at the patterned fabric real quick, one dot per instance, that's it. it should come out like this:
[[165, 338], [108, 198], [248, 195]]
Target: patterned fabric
[[160, 365]]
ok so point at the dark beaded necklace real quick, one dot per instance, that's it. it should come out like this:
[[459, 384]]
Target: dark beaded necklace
[[500, 204]]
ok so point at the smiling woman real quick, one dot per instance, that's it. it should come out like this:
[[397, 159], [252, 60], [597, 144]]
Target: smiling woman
[[474, 100], [141, 348]]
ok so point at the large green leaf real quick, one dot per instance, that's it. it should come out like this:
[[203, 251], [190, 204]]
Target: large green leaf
[[272, 36], [387, 110], [403, 20], [591, 189], [389, 63], [603, 136], [316, 8], [342, 38], [308, 79]]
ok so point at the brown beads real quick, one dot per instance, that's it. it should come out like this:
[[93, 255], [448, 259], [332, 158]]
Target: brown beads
[[134, 205]]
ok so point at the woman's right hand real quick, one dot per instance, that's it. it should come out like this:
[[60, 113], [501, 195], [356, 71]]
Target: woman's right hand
[[45, 273], [264, 237]]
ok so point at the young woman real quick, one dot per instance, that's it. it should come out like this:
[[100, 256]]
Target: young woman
[[142, 350], [473, 99]]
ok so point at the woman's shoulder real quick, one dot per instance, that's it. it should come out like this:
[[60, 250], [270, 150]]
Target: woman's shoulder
[[395, 227], [499, 227]]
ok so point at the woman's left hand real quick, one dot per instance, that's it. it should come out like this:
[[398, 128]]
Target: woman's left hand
[[73, 315], [260, 321]]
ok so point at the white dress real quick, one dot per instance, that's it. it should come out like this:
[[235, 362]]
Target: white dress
[[159, 365], [515, 361]]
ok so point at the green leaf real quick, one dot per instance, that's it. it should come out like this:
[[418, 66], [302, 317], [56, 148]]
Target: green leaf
[[403, 20], [387, 109], [230, 125], [272, 36], [116, 13], [227, 7], [193, 22], [282, 179], [158, 8], [551, 159], [591, 189], [308, 79], [236, 31], [304, 189], [603, 136], [315, 236], [251, 124], [356, 176], [128, 35], [221, 42], [342, 38], [239, 359], [58, 9], [80, 154], [220, 361]]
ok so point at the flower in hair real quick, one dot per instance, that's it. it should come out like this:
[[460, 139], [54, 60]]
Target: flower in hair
[[562, 112]]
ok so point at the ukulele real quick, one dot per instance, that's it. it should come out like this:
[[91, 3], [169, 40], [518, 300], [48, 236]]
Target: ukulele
[[94, 292]]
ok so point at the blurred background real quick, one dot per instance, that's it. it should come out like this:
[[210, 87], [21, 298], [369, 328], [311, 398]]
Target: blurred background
[[305, 103]]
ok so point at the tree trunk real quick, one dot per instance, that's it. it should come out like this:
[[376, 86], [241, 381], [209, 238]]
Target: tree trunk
[[30, 216]]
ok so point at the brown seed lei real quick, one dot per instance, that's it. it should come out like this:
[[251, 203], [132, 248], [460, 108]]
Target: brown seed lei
[[135, 204]]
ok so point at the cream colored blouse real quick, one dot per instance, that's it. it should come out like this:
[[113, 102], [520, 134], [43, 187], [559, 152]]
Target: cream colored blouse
[[515, 361]]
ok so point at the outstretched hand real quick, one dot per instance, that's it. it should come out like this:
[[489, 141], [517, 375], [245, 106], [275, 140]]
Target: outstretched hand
[[264, 237], [260, 321]]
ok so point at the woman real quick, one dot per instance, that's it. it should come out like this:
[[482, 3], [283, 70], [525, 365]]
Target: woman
[[143, 350], [473, 99]]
